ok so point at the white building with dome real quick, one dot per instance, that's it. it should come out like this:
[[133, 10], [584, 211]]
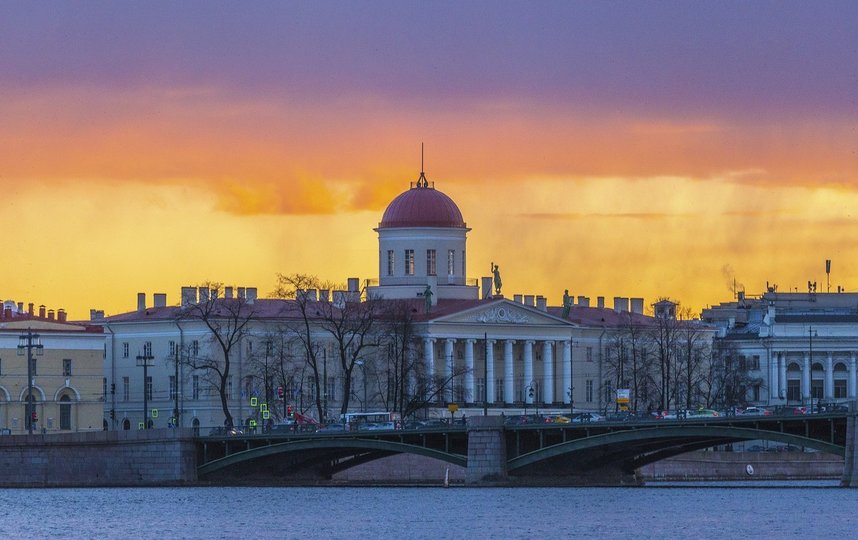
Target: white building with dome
[[488, 351]]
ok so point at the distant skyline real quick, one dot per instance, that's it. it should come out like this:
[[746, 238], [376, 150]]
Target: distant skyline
[[608, 148]]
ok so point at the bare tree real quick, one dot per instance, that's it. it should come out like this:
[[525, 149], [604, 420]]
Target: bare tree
[[227, 320]]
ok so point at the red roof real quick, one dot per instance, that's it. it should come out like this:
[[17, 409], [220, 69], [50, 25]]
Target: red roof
[[422, 206]]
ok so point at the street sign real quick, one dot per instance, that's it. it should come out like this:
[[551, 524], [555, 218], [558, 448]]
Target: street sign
[[623, 395]]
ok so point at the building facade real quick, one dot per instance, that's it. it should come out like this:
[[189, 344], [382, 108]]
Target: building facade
[[68, 386]]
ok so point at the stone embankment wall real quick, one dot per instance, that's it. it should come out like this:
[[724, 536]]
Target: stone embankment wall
[[154, 457], [705, 465]]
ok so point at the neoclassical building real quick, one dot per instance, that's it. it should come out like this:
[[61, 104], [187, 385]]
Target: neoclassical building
[[67, 379], [802, 347], [487, 349]]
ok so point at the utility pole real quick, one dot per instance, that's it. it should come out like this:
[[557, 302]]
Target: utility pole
[[30, 341], [143, 360]]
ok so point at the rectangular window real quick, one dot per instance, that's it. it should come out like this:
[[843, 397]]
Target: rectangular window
[[840, 389], [430, 262], [35, 365], [755, 392], [125, 350], [147, 348], [195, 387], [172, 348], [390, 262], [195, 347], [499, 390], [269, 348], [481, 390], [588, 394], [332, 389], [126, 389], [609, 392], [249, 347], [104, 387], [172, 387], [589, 354], [229, 387], [409, 262], [451, 262], [149, 388], [755, 363], [816, 389], [793, 390], [66, 367]]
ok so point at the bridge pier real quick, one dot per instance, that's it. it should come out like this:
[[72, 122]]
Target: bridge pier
[[486, 450], [850, 457]]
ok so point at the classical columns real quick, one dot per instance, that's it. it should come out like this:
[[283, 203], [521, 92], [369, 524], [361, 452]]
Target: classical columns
[[853, 377], [469, 371], [448, 366], [547, 372], [829, 377], [782, 375], [567, 371], [774, 376], [490, 371], [429, 358], [508, 373], [806, 378], [528, 371]]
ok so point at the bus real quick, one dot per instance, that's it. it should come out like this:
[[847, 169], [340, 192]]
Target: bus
[[359, 421]]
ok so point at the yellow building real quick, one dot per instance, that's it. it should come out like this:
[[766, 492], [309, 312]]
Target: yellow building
[[67, 379]]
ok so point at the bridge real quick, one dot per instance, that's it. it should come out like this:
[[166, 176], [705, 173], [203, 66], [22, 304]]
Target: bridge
[[597, 453]]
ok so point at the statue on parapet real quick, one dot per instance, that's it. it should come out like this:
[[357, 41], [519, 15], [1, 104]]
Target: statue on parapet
[[427, 298], [497, 278], [567, 303]]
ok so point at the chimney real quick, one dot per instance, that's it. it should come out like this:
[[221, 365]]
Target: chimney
[[30, 308], [311, 295], [160, 299], [541, 303], [227, 292], [517, 298], [340, 298], [50, 314], [204, 294], [61, 315], [583, 301], [638, 305], [250, 293], [7, 313], [241, 292], [528, 300], [324, 295], [600, 301], [621, 304], [141, 301], [486, 286], [21, 308], [189, 296], [354, 284], [92, 314], [42, 312]]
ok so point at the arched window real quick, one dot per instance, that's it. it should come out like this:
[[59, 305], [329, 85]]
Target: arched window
[[126, 424], [65, 413]]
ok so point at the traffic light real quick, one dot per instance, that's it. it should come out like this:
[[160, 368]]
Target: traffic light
[[280, 392], [289, 412]]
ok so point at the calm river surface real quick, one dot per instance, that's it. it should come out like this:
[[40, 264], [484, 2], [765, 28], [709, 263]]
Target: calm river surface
[[665, 512]]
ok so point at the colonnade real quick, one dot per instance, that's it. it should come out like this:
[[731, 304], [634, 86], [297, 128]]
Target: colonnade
[[781, 361], [527, 378]]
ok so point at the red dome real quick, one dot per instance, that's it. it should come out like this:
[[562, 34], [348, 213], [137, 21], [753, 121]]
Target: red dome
[[422, 206]]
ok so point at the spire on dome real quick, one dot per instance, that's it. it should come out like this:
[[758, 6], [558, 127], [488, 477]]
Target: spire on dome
[[422, 182]]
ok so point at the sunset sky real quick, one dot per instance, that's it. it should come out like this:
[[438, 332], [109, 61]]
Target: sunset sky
[[609, 148]]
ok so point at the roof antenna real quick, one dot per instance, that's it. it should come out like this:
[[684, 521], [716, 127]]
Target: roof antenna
[[422, 182]]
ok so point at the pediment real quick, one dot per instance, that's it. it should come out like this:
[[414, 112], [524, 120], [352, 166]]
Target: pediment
[[503, 312]]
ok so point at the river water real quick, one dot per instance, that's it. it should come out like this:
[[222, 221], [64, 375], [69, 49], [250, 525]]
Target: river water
[[808, 510]]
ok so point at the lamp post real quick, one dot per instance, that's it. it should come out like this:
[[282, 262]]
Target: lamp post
[[143, 360], [30, 341], [362, 365]]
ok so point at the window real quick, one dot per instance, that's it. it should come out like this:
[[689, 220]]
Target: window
[[269, 348], [390, 262], [125, 350], [609, 392], [172, 387], [481, 389], [65, 413], [104, 387], [332, 389], [126, 388], [409, 262], [172, 348], [499, 390], [430, 262], [840, 389], [149, 388], [451, 262], [793, 390], [816, 389], [755, 391], [66, 367], [35, 365], [249, 347], [588, 391], [195, 347], [589, 356], [195, 387], [147, 348], [229, 387], [754, 362]]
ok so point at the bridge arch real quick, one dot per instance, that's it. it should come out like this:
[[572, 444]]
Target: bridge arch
[[647, 445], [308, 445]]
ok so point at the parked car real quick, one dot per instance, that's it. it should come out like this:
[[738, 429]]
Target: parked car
[[755, 411], [587, 417], [706, 413]]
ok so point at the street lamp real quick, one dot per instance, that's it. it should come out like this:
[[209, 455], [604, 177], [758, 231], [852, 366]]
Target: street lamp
[[143, 360], [362, 365], [30, 341]]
